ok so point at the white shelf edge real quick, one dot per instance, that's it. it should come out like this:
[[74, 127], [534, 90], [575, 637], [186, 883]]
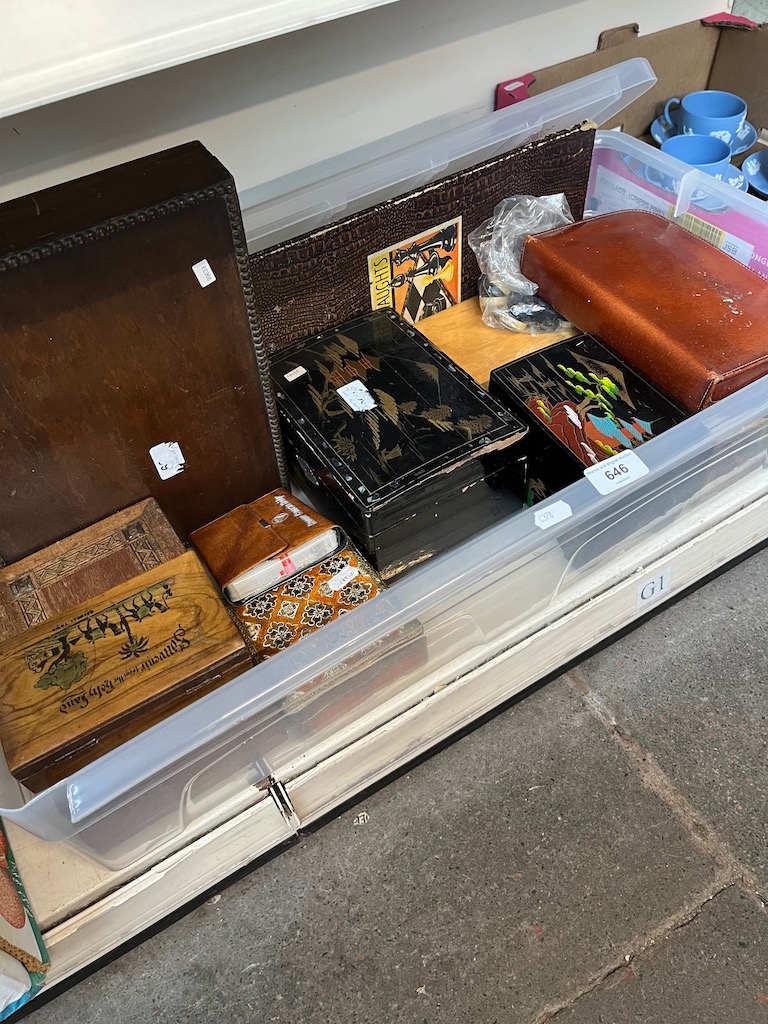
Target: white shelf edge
[[79, 71], [164, 888]]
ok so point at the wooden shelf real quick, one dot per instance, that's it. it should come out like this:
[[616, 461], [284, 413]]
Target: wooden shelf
[[460, 332]]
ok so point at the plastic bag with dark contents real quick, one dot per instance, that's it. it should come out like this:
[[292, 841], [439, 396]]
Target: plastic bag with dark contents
[[507, 298]]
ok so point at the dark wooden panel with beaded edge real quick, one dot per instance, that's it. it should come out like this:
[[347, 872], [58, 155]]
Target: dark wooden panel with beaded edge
[[110, 345]]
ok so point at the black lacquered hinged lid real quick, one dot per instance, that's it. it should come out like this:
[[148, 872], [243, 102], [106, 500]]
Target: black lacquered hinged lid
[[384, 409], [587, 399]]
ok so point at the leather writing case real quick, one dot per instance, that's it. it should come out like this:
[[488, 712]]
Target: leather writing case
[[256, 547], [687, 316]]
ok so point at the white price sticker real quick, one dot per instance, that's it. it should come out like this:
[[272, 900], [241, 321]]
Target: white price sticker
[[654, 589], [616, 472], [343, 577], [203, 273], [357, 396], [295, 373], [551, 514], [738, 248], [168, 459]]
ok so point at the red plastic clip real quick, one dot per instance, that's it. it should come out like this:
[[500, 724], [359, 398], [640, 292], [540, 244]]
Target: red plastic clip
[[513, 90]]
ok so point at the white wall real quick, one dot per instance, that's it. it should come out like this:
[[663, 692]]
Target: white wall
[[275, 106]]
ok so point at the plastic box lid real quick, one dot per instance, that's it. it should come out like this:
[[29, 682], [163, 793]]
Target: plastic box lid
[[471, 604], [315, 196], [627, 174]]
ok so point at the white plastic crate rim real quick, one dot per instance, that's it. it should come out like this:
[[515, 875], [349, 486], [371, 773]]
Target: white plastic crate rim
[[627, 174], [472, 603], [319, 194], [439, 624]]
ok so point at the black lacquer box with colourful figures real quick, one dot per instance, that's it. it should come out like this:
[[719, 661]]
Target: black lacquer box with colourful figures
[[394, 441], [582, 405]]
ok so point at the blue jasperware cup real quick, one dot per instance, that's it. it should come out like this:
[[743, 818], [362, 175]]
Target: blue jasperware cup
[[709, 112], [708, 154]]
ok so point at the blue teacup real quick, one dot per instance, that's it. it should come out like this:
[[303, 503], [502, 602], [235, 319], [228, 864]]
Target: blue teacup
[[710, 112], [705, 152]]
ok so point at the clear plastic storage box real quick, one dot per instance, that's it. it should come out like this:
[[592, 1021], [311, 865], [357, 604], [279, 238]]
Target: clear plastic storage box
[[628, 174], [428, 631]]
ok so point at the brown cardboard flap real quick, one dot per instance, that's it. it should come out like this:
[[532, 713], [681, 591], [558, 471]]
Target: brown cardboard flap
[[739, 66], [617, 36], [681, 58]]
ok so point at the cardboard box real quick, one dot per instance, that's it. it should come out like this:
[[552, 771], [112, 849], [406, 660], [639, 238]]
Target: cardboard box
[[684, 58]]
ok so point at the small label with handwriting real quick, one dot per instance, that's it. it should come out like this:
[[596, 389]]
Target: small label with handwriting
[[551, 514], [203, 273], [168, 459], [343, 577], [357, 396]]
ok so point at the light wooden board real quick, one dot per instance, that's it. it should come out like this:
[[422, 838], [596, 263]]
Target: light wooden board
[[460, 332]]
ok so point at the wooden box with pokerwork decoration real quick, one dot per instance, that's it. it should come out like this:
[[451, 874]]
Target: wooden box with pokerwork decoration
[[393, 440], [80, 567], [74, 687]]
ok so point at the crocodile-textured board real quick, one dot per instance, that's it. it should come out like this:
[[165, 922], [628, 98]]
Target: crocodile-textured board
[[329, 276]]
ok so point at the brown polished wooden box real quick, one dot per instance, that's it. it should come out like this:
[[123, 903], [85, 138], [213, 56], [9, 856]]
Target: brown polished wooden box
[[74, 687], [130, 358]]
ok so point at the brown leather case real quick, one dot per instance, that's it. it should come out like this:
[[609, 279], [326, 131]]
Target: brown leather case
[[317, 280], [267, 528], [687, 316]]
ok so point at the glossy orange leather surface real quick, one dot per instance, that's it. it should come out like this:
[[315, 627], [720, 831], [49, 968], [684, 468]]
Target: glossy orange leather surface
[[685, 315]]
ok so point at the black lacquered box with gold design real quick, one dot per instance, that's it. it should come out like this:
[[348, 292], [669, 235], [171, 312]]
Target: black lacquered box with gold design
[[393, 440]]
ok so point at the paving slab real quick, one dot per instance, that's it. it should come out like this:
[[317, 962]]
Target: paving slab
[[691, 685], [712, 971], [491, 880]]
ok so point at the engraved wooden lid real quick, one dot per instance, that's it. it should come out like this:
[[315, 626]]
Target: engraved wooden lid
[[112, 661]]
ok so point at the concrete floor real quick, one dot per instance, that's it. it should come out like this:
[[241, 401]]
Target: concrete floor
[[596, 853]]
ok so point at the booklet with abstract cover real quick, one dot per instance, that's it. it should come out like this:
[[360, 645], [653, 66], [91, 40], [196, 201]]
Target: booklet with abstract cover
[[23, 957]]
